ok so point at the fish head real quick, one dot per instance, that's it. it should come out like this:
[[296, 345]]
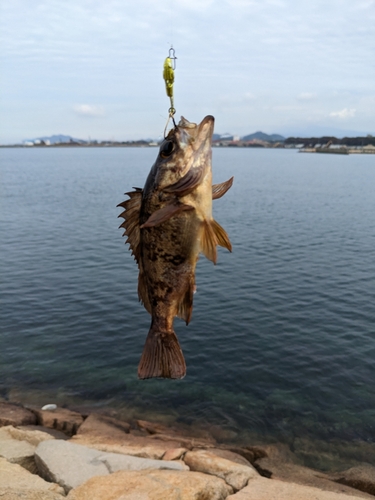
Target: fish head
[[185, 150]]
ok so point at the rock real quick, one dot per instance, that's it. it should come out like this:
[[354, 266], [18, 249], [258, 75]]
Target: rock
[[221, 434], [278, 452], [333, 454], [18, 446], [115, 462], [250, 453], [70, 464], [234, 474], [273, 489], [152, 485], [187, 442], [277, 468], [153, 428], [229, 455], [361, 477], [29, 495], [138, 446], [180, 435], [15, 480], [46, 430], [174, 453], [12, 414], [101, 425], [32, 436], [60, 419]]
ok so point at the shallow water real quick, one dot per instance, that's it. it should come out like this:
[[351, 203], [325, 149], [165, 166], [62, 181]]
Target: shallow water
[[282, 341]]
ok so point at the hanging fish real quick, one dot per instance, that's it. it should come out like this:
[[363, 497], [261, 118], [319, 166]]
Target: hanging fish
[[168, 223]]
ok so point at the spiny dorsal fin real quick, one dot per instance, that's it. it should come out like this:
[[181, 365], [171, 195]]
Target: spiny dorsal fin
[[165, 213], [131, 223], [219, 190], [212, 235]]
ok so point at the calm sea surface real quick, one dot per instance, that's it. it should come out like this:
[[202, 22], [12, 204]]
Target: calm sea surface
[[282, 341]]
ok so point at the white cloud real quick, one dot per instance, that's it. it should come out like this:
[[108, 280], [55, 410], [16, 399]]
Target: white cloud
[[249, 96], [343, 114], [306, 96], [88, 110]]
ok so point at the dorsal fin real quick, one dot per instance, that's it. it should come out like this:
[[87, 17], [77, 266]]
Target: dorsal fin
[[131, 223]]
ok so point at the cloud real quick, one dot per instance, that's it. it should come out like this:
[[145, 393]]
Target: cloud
[[343, 114], [306, 96], [88, 110], [249, 96]]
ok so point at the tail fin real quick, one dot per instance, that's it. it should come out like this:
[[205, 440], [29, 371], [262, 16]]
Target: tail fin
[[162, 356]]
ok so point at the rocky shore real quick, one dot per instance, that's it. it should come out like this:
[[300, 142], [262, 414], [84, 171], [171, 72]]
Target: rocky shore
[[56, 453]]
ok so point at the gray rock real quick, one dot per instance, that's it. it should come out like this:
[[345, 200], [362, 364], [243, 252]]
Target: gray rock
[[71, 464], [115, 462]]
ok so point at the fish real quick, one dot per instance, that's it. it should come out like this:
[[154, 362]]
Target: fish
[[168, 223]]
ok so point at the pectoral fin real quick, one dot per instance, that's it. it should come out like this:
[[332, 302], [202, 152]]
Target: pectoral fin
[[187, 183], [212, 235], [131, 223], [165, 213], [219, 190]]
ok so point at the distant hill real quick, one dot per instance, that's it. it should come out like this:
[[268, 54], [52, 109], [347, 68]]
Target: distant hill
[[56, 139], [263, 137]]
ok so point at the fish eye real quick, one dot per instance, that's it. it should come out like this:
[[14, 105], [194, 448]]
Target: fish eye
[[166, 149]]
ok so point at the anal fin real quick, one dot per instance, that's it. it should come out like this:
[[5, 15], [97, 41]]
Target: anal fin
[[212, 235], [185, 307]]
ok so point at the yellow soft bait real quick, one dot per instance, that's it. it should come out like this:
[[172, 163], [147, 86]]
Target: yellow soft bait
[[168, 75]]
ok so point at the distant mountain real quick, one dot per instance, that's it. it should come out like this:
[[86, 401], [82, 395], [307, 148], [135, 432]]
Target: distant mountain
[[327, 130], [263, 137], [56, 139]]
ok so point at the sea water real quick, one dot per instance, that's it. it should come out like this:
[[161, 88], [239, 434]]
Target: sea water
[[281, 345]]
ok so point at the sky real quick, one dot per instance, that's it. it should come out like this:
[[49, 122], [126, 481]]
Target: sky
[[93, 68]]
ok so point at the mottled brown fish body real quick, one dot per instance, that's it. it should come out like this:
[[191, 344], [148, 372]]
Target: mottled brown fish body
[[168, 224]]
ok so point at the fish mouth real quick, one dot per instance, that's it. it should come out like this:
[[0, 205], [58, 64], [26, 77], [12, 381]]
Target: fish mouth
[[204, 133]]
